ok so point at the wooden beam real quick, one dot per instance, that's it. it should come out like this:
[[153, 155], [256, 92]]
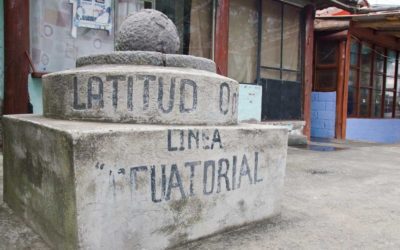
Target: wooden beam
[[341, 35], [370, 35], [222, 37], [345, 87], [377, 24], [331, 25], [340, 90], [16, 42], [308, 67]]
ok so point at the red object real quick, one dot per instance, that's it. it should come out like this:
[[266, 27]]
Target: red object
[[341, 13], [222, 37]]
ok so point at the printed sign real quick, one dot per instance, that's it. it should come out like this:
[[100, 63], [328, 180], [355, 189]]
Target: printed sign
[[94, 14]]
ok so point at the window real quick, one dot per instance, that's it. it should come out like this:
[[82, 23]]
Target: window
[[326, 66], [397, 99], [390, 91], [372, 88], [377, 81], [193, 19], [280, 42], [352, 103], [243, 36], [278, 37]]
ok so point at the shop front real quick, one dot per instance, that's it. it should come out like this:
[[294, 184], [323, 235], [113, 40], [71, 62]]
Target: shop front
[[263, 44], [359, 67]]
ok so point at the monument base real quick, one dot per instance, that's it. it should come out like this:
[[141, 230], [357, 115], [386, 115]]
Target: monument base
[[119, 186]]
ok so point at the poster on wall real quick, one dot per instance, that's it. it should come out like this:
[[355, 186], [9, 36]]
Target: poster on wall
[[94, 14]]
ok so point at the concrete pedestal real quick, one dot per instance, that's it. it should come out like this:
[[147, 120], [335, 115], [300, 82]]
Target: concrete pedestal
[[119, 186], [141, 94]]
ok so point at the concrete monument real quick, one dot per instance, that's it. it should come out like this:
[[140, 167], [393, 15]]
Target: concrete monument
[[140, 150]]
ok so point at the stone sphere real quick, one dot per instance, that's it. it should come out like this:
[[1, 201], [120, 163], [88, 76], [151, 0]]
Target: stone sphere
[[148, 30]]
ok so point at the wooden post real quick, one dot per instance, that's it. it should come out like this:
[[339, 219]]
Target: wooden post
[[308, 67], [346, 86], [16, 43], [340, 90], [222, 37]]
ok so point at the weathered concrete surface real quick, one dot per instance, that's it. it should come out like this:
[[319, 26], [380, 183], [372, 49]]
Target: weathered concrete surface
[[148, 30], [148, 58], [14, 233], [296, 135], [332, 200], [123, 57], [81, 184], [39, 179], [194, 62], [141, 94]]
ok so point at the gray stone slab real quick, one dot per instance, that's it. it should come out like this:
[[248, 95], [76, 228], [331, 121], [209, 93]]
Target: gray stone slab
[[141, 94], [148, 58], [123, 57], [92, 185], [185, 61]]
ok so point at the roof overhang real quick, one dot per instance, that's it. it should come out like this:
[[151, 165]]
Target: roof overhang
[[381, 22]]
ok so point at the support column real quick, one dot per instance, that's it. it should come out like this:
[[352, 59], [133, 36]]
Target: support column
[[340, 90], [308, 67], [16, 43], [222, 37], [341, 134]]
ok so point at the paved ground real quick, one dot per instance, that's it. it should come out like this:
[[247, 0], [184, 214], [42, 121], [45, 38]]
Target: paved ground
[[346, 199]]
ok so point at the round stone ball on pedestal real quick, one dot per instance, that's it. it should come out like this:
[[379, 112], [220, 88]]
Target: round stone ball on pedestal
[[148, 30], [143, 82]]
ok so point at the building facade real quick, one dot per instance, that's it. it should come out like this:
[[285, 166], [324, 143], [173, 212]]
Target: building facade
[[357, 63], [267, 44]]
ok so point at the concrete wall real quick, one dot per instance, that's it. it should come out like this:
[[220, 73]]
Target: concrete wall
[[323, 114], [373, 130], [250, 102]]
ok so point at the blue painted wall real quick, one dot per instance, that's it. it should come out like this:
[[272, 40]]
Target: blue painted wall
[[323, 114], [373, 130], [250, 102], [35, 94]]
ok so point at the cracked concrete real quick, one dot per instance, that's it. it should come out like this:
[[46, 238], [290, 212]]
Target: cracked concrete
[[346, 199]]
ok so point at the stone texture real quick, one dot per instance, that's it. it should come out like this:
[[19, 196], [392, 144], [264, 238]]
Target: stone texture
[[296, 135], [148, 58], [184, 61], [116, 186], [197, 97], [148, 30], [123, 57]]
